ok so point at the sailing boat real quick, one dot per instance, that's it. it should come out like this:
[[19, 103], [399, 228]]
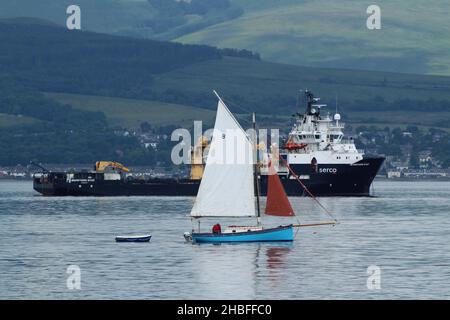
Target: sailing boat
[[228, 188]]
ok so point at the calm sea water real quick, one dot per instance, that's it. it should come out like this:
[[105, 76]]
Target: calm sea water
[[405, 231]]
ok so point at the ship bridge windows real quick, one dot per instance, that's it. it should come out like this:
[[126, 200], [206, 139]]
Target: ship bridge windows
[[333, 137], [309, 136]]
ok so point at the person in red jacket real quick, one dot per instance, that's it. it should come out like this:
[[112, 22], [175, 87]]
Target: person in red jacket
[[217, 228]]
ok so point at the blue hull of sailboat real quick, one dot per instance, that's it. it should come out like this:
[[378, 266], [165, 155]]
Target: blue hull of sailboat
[[282, 233]]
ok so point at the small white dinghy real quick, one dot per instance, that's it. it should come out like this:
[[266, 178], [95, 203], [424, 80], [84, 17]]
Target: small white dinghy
[[134, 238]]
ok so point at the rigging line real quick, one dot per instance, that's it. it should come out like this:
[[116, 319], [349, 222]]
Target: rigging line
[[296, 232], [232, 115], [306, 189], [298, 221], [245, 110], [333, 223], [237, 106], [228, 110]]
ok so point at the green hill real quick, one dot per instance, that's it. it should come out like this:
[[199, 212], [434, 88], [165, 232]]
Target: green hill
[[319, 33], [273, 87], [8, 120], [71, 95], [329, 33], [163, 80], [130, 113]]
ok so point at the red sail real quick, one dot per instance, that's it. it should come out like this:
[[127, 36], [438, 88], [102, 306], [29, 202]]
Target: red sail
[[277, 201]]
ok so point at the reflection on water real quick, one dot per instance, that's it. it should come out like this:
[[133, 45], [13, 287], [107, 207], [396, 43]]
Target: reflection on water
[[276, 257], [276, 264], [404, 230], [223, 270]]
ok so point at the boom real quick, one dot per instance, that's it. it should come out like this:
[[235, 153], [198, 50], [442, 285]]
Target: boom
[[100, 166]]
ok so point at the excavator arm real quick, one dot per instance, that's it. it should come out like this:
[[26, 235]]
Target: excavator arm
[[100, 166]]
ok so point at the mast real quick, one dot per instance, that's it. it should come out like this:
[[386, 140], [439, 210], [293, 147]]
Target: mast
[[256, 172], [309, 101]]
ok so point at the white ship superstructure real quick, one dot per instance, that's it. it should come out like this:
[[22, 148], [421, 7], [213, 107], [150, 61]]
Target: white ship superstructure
[[318, 139], [320, 156]]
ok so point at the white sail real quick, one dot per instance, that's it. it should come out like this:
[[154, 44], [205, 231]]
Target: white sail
[[227, 186]]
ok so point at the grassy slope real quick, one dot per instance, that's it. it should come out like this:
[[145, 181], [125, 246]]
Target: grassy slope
[[356, 119], [158, 113], [413, 37], [412, 117], [255, 79], [7, 120], [131, 113], [109, 16]]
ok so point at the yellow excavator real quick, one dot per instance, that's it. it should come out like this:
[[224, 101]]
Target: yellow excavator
[[100, 166], [197, 165]]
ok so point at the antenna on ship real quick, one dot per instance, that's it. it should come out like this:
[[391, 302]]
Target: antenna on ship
[[337, 116], [336, 101], [309, 98]]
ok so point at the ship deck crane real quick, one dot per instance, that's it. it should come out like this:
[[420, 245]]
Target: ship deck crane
[[100, 166]]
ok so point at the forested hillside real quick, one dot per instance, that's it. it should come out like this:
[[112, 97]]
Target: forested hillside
[[57, 132], [38, 57], [80, 96], [320, 33]]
